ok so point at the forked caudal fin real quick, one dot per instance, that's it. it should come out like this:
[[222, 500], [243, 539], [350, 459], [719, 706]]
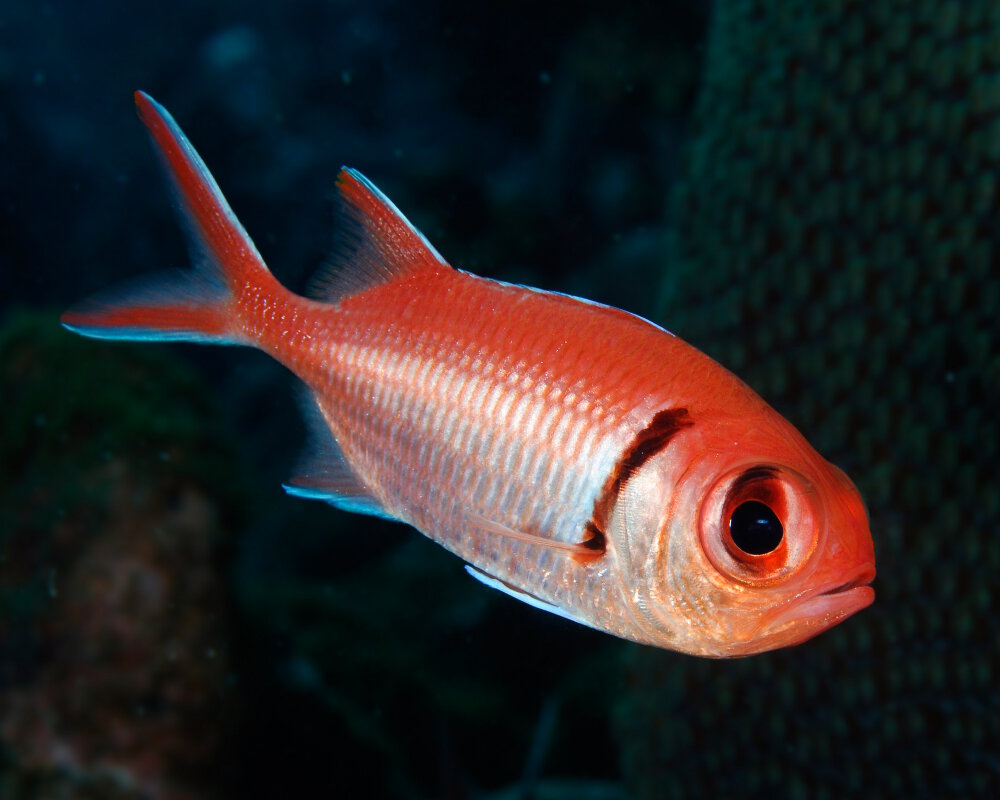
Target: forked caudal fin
[[192, 304], [374, 244]]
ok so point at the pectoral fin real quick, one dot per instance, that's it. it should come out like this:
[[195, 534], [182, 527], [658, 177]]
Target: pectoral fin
[[589, 548]]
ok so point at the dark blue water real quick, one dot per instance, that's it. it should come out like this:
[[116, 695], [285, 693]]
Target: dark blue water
[[805, 191]]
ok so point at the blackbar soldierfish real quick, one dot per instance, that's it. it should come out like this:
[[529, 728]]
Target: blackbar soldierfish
[[577, 457]]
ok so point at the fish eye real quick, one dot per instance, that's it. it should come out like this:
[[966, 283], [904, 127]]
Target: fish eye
[[755, 528], [759, 523]]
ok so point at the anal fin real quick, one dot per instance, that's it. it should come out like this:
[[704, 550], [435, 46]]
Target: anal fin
[[323, 472]]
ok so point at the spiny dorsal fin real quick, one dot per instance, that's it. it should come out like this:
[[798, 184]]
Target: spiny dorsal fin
[[373, 243]]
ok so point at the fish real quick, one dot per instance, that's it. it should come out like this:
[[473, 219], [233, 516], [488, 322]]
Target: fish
[[575, 456]]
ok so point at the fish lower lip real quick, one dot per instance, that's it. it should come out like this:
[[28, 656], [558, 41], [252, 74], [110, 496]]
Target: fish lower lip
[[825, 609], [828, 606]]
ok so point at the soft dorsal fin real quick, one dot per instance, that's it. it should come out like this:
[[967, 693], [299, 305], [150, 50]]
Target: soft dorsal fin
[[373, 243], [323, 472]]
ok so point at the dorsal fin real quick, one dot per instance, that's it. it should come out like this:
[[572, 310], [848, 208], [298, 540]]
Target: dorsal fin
[[373, 243]]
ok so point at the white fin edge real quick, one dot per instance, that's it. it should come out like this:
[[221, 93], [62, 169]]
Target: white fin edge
[[584, 300], [524, 597], [354, 505], [381, 196]]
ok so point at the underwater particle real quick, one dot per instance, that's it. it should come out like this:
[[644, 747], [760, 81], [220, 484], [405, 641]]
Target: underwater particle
[[232, 48]]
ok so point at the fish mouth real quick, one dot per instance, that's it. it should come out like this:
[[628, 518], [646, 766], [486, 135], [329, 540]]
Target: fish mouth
[[818, 610]]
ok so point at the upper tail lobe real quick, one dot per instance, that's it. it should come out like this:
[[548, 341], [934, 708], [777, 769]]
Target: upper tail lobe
[[199, 304]]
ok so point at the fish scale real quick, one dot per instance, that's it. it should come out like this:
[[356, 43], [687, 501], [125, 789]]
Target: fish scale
[[577, 457], [500, 403]]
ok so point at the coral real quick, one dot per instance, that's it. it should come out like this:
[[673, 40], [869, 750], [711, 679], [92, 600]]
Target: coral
[[835, 243], [113, 646]]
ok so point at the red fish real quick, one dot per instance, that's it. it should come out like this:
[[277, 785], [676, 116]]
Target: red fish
[[577, 457]]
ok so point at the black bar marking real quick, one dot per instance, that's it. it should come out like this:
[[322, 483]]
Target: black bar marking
[[648, 442]]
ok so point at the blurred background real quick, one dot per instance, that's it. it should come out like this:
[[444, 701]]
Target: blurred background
[[805, 190]]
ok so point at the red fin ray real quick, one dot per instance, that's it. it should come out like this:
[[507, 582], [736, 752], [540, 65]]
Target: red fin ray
[[374, 243], [219, 241], [194, 305], [174, 305]]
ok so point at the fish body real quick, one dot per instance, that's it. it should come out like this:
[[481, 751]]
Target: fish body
[[575, 456]]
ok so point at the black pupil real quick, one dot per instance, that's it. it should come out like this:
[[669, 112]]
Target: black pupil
[[754, 528]]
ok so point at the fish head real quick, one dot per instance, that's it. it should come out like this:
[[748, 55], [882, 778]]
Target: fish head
[[759, 544]]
